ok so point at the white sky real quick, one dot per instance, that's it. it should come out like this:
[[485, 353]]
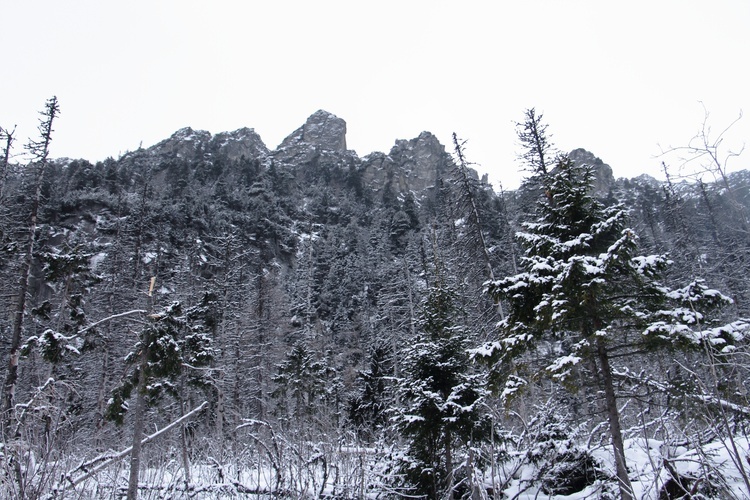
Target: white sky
[[617, 78]]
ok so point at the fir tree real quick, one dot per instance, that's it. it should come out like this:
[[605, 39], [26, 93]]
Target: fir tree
[[538, 149], [586, 290], [443, 413], [172, 340], [368, 407], [304, 386]]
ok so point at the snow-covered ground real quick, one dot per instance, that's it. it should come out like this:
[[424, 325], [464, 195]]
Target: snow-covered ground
[[713, 463]]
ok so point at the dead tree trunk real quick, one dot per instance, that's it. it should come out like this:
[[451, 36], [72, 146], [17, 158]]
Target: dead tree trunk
[[139, 414], [40, 150], [138, 421], [8, 136], [613, 416]]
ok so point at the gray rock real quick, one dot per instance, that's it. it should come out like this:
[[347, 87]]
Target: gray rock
[[604, 180], [319, 145], [190, 144], [185, 143], [322, 130], [411, 165], [321, 140], [242, 142]]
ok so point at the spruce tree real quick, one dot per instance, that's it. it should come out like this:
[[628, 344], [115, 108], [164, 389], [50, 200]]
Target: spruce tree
[[538, 149], [172, 339], [442, 414], [586, 291]]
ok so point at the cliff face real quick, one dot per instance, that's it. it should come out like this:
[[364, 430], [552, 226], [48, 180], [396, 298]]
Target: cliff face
[[320, 143], [315, 149], [411, 165], [191, 144], [314, 152], [604, 180], [322, 130]]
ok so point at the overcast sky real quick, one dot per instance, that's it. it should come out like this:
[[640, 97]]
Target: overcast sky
[[617, 78]]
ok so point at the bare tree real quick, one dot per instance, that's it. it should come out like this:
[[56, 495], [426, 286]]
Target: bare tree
[[538, 149], [40, 153], [8, 137], [468, 186], [707, 153]]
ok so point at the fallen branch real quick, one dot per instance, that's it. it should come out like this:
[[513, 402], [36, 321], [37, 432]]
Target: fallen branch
[[225, 488], [110, 318], [104, 461]]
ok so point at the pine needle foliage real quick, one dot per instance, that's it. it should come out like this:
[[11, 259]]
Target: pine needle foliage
[[442, 413], [588, 297], [173, 340]]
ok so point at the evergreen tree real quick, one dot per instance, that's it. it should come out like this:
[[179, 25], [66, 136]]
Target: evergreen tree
[[538, 149], [173, 339], [468, 188], [368, 407], [68, 269], [442, 414], [299, 381], [586, 290]]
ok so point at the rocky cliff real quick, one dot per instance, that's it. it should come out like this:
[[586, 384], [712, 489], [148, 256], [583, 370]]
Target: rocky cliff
[[604, 180], [320, 143]]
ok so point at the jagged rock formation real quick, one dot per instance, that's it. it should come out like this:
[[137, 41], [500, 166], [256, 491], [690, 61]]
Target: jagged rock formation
[[190, 144], [411, 165], [316, 148], [322, 130], [604, 180], [242, 142], [185, 143]]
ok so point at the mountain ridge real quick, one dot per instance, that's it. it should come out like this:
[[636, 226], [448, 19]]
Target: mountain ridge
[[410, 165]]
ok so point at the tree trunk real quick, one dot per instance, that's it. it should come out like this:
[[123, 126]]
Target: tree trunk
[[8, 135], [613, 415], [11, 377], [448, 464], [184, 446], [93, 467], [40, 150], [138, 420]]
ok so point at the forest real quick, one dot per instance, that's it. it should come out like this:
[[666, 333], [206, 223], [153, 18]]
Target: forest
[[208, 318]]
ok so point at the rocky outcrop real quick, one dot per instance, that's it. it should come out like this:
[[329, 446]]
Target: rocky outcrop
[[191, 144], [411, 165], [185, 143], [604, 180], [317, 148], [322, 130], [242, 142], [325, 131], [323, 134]]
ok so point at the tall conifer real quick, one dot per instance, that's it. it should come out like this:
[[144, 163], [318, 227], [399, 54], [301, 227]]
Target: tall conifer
[[585, 290]]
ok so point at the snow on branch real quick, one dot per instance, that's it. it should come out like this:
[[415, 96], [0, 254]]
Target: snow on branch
[[107, 459], [110, 318], [666, 387]]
